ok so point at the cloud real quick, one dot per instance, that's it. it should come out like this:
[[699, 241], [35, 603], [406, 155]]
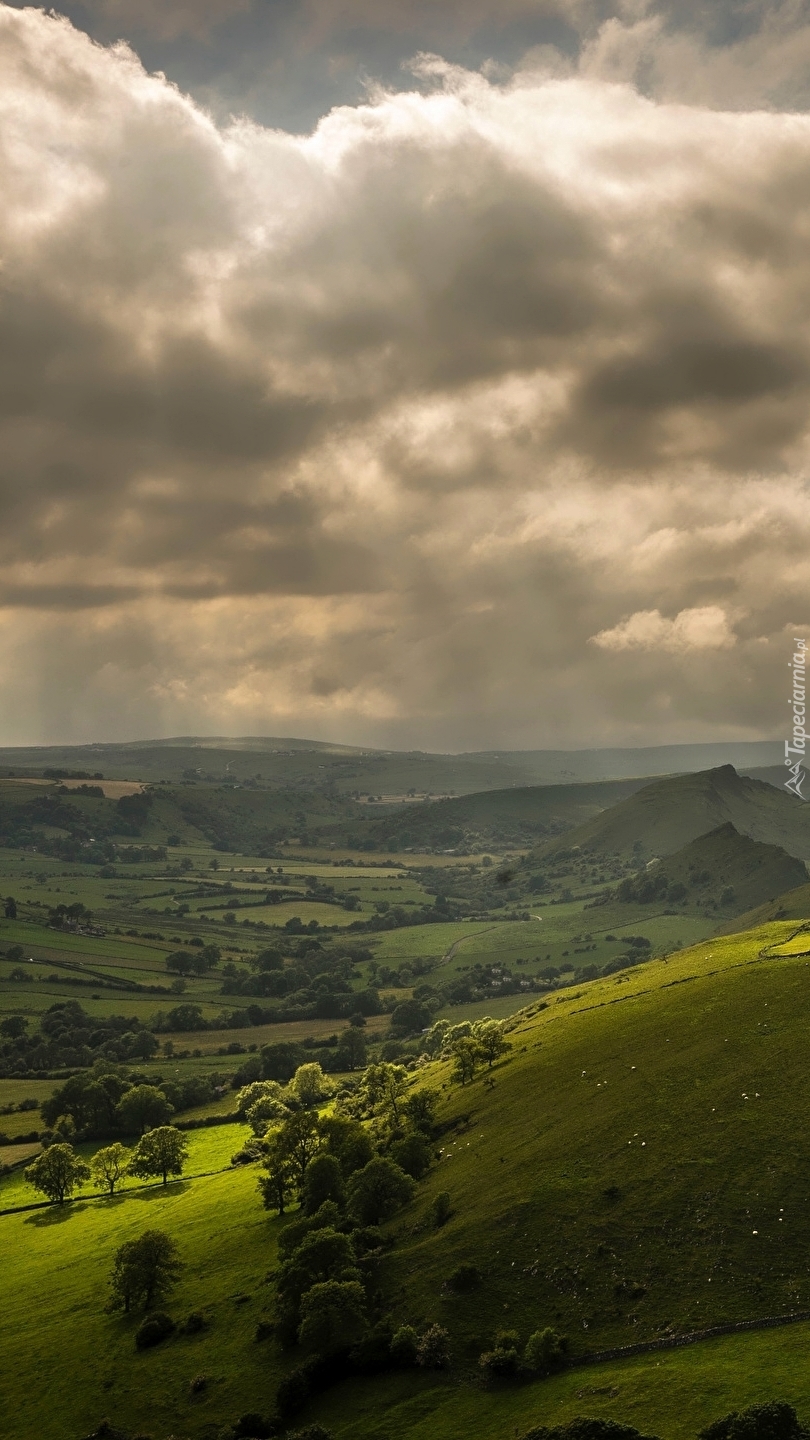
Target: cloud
[[703, 628], [370, 432], [165, 19]]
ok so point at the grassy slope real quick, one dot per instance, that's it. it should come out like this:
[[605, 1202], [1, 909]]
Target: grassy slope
[[670, 813], [757, 873], [528, 1179]]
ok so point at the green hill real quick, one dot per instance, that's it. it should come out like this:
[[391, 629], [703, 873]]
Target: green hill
[[516, 815], [723, 867], [667, 814], [637, 1169]]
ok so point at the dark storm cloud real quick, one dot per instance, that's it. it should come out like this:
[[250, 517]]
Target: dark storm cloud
[[478, 416]]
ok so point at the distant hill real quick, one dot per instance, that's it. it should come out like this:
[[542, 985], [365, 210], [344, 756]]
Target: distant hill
[[721, 868], [667, 814], [273, 761], [790, 905], [491, 816]]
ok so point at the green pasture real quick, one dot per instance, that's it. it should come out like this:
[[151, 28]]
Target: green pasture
[[672, 1394]]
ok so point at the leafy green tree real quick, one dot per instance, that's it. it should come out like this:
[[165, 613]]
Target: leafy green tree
[[310, 1085], [266, 1113], [348, 1140], [109, 1166], [323, 1181], [10, 908], [412, 1153], [433, 1350], [333, 1314], [160, 1152], [279, 1178], [466, 1055], [383, 1088], [143, 1107], [300, 1140], [491, 1040], [352, 1051], [57, 1172], [256, 1090], [378, 1190], [420, 1110], [545, 1350], [144, 1269]]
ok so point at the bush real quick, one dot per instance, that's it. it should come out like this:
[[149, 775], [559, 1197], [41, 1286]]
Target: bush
[[404, 1347], [545, 1351], [440, 1210], [772, 1420], [503, 1359], [366, 1239], [312, 1432], [293, 1392], [253, 1425], [584, 1428], [433, 1350], [465, 1277], [372, 1354], [194, 1323], [153, 1330]]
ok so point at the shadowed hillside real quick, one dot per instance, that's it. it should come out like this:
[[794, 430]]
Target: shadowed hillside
[[667, 814], [736, 871]]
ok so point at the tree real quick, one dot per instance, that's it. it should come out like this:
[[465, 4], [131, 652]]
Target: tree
[[280, 1061], [333, 1314], [10, 908], [420, 1110], [385, 1086], [379, 1189], [160, 1152], [265, 1112], [179, 963], [13, 1026], [110, 1165], [466, 1056], [433, 1350], [545, 1350], [144, 1269], [323, 1181], [142, 1108], [413, 1154], [300, 1139], [348, 1141], [256, 1090], [352, 1051], [57, 1172], [310, 1085], [491, 1040], [279, 1179]]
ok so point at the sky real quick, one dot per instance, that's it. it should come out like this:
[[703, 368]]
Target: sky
[[431, 374]]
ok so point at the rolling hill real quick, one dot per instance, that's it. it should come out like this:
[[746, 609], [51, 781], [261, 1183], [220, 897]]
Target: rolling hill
[[634, 1168], [667, 814], [721, 867]]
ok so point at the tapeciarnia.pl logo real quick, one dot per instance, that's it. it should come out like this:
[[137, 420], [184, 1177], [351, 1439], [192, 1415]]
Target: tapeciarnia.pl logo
[[797, 748]]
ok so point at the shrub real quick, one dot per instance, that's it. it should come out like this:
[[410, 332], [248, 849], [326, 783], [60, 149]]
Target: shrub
[[198, 1384], [323, 1181], [772, 1420], [584, 1428], [503, 1359], [372, 1354], [545, 1350], [440, 1210], [293, 1392], [367, 1238], [465, 1277], [264, 1330], [433, 1350], [194, 1323], [253, 1425], [311, 1432], [153, 1330], [404, 1346]]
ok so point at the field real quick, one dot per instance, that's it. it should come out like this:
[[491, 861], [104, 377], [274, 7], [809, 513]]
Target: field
[[638, 1167]]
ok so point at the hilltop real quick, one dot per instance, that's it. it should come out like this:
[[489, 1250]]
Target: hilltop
[[667, 814], [721, 867]]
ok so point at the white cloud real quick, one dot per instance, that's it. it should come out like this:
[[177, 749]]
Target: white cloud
[[704, 628]]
